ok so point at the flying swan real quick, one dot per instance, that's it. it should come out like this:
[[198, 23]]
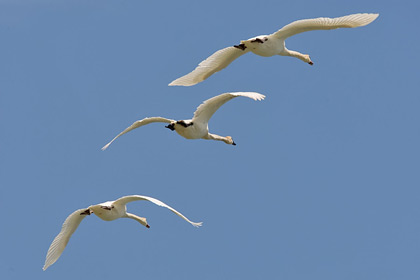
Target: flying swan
[[107, 211], [269, 45], [197, 127]]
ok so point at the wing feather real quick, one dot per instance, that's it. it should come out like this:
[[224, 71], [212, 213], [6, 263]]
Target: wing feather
[[60, 241], [214, 63], [323, 23], [137, 124], [126, 199], [206, 110]]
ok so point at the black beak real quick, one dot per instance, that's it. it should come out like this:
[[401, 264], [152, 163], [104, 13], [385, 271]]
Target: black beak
[[234, 144]]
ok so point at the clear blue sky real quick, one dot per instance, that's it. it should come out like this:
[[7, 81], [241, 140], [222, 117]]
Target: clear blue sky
[[323, 184]]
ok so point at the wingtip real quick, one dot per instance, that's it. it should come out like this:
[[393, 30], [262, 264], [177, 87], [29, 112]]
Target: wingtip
[[197, 224], [259, 96], [368, 18], [175, 83], [105, 147], [374, 16]]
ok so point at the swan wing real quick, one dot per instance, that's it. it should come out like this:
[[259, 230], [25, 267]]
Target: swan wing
[[137, 124], [126, 199], [214, 63], [60, 241], [323, 23], [206, 110]]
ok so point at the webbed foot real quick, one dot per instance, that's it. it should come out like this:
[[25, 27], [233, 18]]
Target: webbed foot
[[87, 212], [184, 124], [257, 40], [240, 46], [171, 126]]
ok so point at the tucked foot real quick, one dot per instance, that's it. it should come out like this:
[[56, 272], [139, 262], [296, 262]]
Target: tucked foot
[[257, 40], [184, 124], [87, 212], [107, 207], [240, 46], [171, 126]]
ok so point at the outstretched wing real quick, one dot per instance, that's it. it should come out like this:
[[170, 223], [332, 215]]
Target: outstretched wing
[[206, 110], [137, 124], [60, 241], [214, 63], [125, 199], [322, 23]]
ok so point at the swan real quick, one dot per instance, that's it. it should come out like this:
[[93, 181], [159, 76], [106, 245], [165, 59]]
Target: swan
[[269, 45], [107, 211], [197, 127]]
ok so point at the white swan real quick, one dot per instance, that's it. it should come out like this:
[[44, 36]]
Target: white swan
[[107, 211], [269, 45], [197, 127]]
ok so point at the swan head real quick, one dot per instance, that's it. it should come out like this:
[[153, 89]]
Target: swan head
[[229, 141]]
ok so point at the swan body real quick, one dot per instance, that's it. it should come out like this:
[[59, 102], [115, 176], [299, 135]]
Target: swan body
[[197, 127], [107, 211], [270, 45]]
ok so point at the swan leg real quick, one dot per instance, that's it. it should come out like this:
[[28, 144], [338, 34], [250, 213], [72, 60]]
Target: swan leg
[[87, 212], [184, 124], [257, 40], [170, 126], [107, 207], [240, 46]]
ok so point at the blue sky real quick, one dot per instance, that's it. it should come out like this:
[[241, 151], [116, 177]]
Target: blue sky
[[323, 182]]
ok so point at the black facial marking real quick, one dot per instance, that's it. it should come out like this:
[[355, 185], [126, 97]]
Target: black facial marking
[[240, 46]]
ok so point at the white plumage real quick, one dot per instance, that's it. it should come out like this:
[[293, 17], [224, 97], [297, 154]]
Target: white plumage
[[197, 127], [269, 45], [107, 211]]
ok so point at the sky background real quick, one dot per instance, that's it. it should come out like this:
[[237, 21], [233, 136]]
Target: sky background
[[324, 182]]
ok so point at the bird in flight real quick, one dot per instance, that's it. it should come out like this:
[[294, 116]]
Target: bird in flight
[[270, 45], [197, 127], [107, 211]]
